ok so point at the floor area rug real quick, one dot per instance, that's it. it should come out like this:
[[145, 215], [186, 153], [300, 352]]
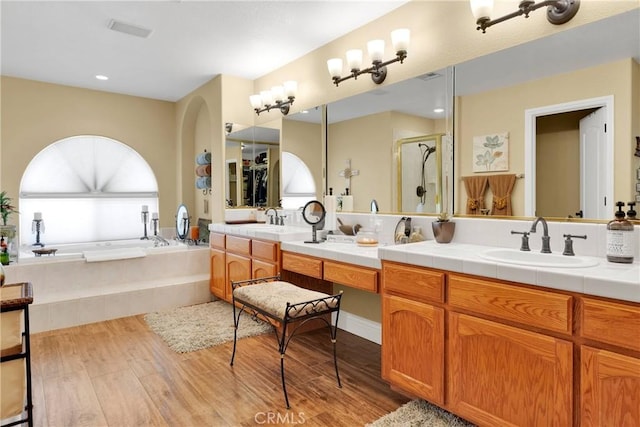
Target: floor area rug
[[419, 413], [200, 326]]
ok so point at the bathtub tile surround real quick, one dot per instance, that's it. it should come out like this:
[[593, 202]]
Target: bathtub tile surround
[[70, 292]]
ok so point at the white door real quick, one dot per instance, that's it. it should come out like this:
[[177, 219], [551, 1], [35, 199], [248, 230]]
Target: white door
[[594, 200]]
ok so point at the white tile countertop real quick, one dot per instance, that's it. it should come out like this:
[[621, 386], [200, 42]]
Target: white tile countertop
[[606, 279]]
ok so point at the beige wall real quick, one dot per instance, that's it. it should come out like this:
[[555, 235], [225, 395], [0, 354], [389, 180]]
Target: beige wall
[[502, 110], [36, 114]]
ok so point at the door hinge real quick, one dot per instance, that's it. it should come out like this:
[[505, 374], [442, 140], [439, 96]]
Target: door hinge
[[605, 128], [605, 200]]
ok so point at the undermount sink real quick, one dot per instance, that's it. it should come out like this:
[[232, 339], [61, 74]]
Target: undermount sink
[[536, 259]]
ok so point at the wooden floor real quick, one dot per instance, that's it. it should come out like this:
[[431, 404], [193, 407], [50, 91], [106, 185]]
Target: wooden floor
[[118, 373]]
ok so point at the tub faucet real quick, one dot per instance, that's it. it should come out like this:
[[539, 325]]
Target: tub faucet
[[271, 217], [374, 206], [545, 236]]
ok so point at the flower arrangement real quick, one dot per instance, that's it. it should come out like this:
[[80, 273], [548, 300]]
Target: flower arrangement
[[6, 208], [443, 217]]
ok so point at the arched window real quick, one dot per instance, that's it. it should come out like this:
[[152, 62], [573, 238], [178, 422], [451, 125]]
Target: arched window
[[298, 185], [87, 188]]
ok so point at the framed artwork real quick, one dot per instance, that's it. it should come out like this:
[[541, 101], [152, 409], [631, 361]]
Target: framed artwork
[[491, 152]]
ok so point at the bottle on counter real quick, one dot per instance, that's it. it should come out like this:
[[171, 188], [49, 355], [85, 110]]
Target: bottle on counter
[[620, 238], [416, 234]]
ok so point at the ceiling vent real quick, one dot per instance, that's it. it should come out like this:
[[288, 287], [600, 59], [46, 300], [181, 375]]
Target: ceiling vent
[[429, 76], [130, 29]]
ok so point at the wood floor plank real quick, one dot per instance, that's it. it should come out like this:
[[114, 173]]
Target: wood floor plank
[[119, 373], [70, 400], [125, 401]]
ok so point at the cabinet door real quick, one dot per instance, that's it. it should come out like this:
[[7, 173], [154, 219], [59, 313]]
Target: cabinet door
[[238, 268], [609, 389], [263, 269], [218, 274], [413, 347], [500, 375]]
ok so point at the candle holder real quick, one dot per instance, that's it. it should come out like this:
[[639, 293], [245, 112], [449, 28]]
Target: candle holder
[[145, 220], [155, 226], [37, 227]]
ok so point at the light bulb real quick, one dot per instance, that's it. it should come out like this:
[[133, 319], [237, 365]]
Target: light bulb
[[290, 88], [335, 67], [354, 59], [256, 101], [267, 97], [277, 92], [376, 50], [400, 39], [481, 8]]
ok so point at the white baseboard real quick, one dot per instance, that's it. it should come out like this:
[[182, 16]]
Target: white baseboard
[[357, 325]]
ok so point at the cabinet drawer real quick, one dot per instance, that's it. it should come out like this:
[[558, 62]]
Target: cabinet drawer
[[413, 281], [612, 323], [302, 264], [532, 307], [216, 240], [239, 245], [354, 277], [267, 251]]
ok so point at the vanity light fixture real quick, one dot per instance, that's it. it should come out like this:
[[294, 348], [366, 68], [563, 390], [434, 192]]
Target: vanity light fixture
[[558, 11], [280, 97], [378, 70]]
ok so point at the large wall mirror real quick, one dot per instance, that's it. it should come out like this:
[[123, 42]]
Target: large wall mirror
[[252, 166], [376, 144], [540, 99]]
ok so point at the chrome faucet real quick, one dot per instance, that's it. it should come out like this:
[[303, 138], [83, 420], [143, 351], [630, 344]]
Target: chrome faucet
[[271, 221], [545, 234]]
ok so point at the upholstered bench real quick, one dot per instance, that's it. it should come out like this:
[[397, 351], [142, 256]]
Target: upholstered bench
[[284, 305]]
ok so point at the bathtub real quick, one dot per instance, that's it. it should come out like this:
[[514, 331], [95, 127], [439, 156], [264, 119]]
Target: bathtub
[[70, 291], [80, 250]]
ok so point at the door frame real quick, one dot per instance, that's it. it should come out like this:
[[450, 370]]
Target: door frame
[[530, 117]]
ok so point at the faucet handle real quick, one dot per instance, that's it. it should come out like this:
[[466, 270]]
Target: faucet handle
[[281, 219], [568, 243], [524, 245]]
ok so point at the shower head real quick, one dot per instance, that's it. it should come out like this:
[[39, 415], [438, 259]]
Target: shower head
[[429, 149]]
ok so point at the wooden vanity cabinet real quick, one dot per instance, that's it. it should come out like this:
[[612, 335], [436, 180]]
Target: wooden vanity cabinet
[[235, 258], [218, 272], [609, 378], [413, 330]]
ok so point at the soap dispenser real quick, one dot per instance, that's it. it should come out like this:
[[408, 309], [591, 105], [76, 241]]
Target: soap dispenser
[[620, 243]]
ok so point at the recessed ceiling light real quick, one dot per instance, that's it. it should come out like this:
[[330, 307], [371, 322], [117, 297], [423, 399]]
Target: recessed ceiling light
[[101, 77], [438, 110]]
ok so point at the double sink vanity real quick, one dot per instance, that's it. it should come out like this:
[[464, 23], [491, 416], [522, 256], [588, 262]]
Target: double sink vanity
[[495, 335]]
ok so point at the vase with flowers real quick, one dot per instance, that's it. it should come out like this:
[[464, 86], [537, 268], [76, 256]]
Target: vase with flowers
[[443, 228], [7, 231]]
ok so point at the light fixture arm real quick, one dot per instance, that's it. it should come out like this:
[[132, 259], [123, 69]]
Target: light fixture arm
[[378, 70], [558, 12], [283, 106]]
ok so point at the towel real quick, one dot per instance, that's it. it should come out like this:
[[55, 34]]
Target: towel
[[113, 254], [203, 158], [203, 170], [203, 182]]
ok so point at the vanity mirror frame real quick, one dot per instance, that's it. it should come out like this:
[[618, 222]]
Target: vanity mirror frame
[[401, 144], [180, 222]]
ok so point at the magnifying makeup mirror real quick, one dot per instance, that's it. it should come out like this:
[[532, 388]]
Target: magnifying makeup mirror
[[313, 214], [182, 222]]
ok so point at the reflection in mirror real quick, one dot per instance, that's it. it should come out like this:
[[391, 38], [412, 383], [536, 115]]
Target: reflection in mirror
[[252, 166], [182, 222], [538, 94], [419, 173], [364, 131], [302, 154]]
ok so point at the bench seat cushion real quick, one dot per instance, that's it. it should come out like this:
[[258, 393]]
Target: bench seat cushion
[[272, 298]]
